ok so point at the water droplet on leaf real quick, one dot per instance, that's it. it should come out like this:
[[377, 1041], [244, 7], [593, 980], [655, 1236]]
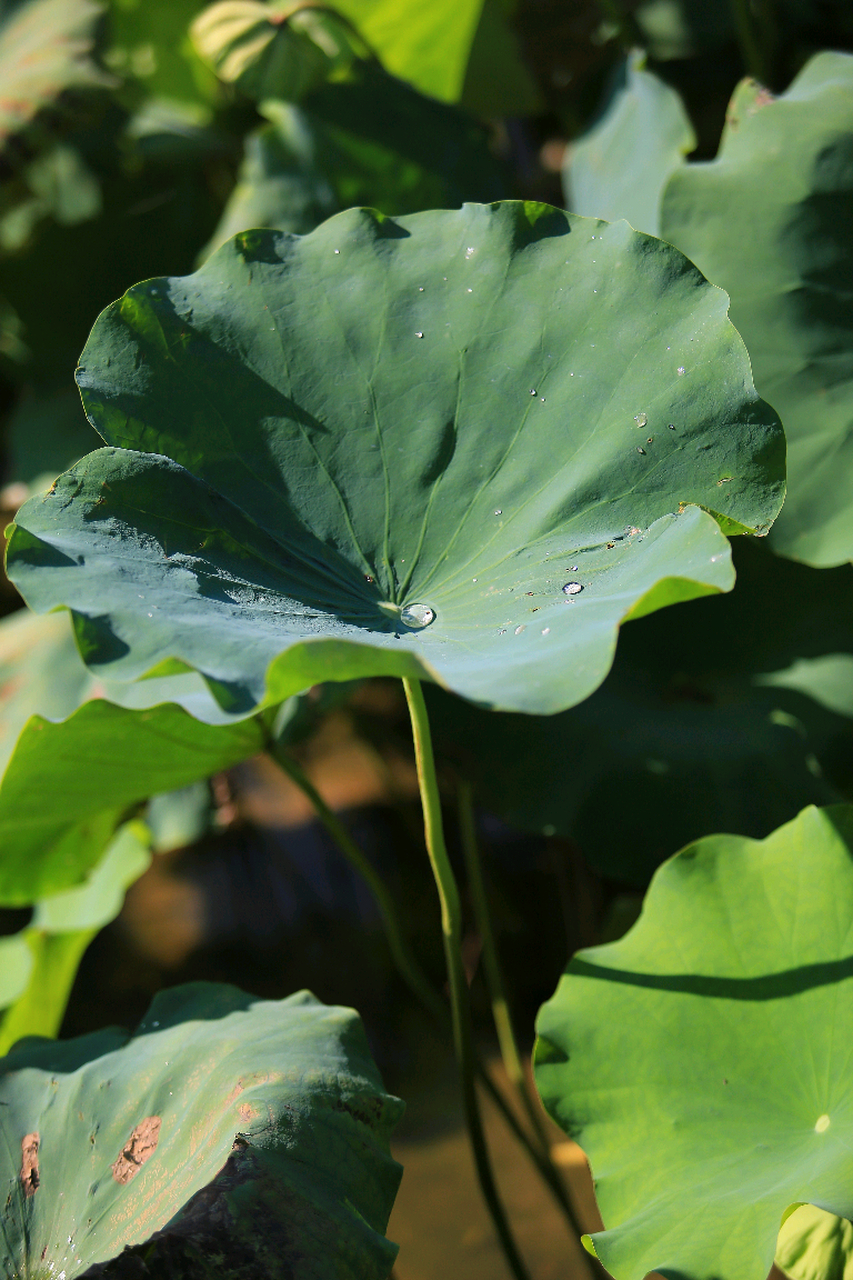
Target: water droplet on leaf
[[680, 370], [641, 419], [572, 588], [518, 630], [417, 616], [498, 512], [419, 334]]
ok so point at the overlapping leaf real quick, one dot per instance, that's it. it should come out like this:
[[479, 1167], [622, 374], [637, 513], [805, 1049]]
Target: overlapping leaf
[[619, 167], [249, 1136], [703, 1060], [769, 220], [50, 948], [462, 446]]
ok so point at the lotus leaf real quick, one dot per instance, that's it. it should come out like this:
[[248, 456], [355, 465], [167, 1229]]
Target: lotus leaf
[[619, 167], [233, 1132], [723, 1101], [129, 756], [770, 220], [815, 1245], [460, 446]]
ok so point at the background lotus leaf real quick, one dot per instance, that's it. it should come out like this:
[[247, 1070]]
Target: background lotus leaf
[[725, 1097], [220, 1110], [391, 446], [46, 49], [56, 818], [785, 168], [619, 167], [61, 929]]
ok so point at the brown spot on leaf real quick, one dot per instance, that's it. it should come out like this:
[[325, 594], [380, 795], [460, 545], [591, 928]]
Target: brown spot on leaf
[[139, 1147], [30, 1164], [247, 1112]]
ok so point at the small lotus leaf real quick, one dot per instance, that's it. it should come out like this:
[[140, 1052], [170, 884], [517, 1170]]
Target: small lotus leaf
[[255, 1132], [703, 1060], [460, 446], [815, 1245]]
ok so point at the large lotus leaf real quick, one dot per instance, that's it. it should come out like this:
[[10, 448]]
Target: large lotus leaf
[[68, 785], [690, 733], [62, 927], [703, 1061], [252, 1130], [815, 1245], [619, 167], [786, 166], [45, 50], [461, 446]]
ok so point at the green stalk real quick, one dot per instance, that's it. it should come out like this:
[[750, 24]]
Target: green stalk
[[751, 51], [451, 924], [500, 1005], [407, 965]]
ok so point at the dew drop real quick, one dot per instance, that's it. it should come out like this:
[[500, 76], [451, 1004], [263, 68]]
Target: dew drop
[[641, 451], [542, 398], [572, 588], [533, 391], [337, 251], [417, 616], [672, 426], [470, 290], [518, 630], [420, 288], [680, 370], [650, 440], [473, 579], [546, 631], [498, 512], [641, 419], [368, 578], [470, 251], [419, 334]]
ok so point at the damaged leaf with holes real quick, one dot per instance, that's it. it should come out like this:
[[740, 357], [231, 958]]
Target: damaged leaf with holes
[[228, 1136]]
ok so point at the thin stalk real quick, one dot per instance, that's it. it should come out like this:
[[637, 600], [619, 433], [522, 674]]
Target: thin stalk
[[751, 51], [500, 1005], [407, 965], [451, 924]]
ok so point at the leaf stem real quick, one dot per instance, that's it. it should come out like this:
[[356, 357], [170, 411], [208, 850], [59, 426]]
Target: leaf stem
[[407, 965], [751, 50], [500, 1005], [451, 923]]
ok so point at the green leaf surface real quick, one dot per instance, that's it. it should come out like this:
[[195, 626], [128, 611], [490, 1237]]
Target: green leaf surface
[[274, 50], [273, 1111], [815, 1245], [703, 1061], [390, 446], [68, 785], [62, 927], [620, 166], [426, 44], [769, 220], [730, 713], [45, 50]]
